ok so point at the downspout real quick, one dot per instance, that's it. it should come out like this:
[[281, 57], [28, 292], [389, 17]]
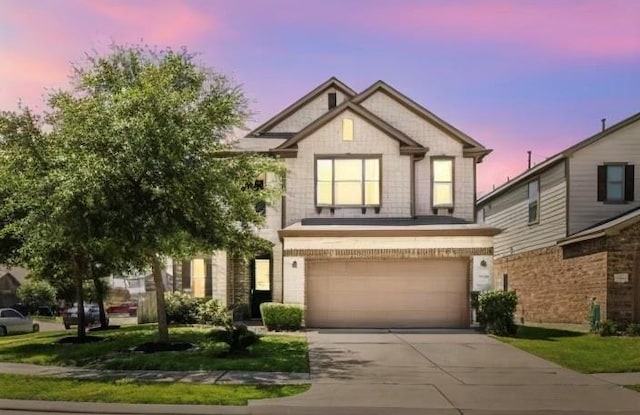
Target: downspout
[[413, 186]]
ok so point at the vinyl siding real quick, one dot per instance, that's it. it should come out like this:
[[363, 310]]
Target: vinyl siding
[[307, 114], [509, 212], [584, 208]]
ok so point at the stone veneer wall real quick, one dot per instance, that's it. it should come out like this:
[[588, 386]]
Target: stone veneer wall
[[552, 289]]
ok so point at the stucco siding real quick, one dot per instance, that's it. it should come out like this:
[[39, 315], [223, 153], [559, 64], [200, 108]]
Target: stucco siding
[[584, 208], [395, 170], [308, 113], [510, 213]]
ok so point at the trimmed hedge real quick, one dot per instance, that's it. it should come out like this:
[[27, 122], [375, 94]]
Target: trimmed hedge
[[278, 317], [495, 312]]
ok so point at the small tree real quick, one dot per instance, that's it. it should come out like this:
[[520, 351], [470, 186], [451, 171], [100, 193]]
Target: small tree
[[34, 293], [496, 310]]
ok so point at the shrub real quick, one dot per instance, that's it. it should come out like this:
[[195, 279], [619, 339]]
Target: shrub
[[495, 312], [181, 308], [236, 335], [633, 329], [607, 328], [211, 313], [276, 316]]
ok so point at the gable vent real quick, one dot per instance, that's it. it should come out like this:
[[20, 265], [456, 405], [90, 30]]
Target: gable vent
[[332, 99]]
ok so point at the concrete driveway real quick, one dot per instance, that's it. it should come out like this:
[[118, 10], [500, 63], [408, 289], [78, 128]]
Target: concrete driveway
[[441, 373]]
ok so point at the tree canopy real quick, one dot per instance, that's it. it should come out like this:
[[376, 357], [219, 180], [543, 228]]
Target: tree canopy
[[134, 166]]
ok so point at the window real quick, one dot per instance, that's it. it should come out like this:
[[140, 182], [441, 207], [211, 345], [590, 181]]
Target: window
[[347, 129], [10, 314], [261, 274], [348, 182], [534, 201], [616, 183], [442, 174], [261, 206]]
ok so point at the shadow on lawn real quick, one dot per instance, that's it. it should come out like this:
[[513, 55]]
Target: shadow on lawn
[[542, 333]]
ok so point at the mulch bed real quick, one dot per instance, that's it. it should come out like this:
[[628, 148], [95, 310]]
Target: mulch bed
[[154, 347], [78, 340]]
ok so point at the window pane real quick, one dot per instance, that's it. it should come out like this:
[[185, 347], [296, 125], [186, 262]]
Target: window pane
[[372, 169], [442, 194], [533, 191], [533, 211], [261, 275], [372, 193], [348, 170], [614, 173], [348, 193], [614, 191], [442, 170], [324, 170], [324, 193], [347, 129]]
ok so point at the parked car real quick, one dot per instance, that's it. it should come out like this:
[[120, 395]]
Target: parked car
[[130, 309], [12, 321], [91, 316]]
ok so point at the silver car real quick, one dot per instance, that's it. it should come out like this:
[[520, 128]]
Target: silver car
[[11, 321]]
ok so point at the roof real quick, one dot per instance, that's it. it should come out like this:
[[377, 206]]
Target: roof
[[551, 161], [413, 221], [608, 227], [402, 138], [471, 147], [332, 82]]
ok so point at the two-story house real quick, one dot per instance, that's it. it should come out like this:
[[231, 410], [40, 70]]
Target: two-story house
[[570, 230], [376, 227]]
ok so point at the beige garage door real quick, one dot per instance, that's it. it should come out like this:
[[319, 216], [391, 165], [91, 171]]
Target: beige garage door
[[407, 293]]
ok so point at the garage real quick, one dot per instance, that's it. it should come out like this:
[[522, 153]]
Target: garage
[[387, 293]]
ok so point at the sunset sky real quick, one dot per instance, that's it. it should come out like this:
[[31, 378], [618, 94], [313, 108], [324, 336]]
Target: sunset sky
[[514, 75]]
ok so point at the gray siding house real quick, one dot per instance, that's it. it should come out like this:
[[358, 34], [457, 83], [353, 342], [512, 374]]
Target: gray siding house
[[376, 227], [540, 212]]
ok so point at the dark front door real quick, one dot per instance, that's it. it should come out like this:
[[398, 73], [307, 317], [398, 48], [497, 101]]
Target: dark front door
[[260, 284]]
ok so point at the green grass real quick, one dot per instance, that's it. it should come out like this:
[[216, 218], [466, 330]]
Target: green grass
[[270, 354], [634, 387], [586, 353], [125, 391]]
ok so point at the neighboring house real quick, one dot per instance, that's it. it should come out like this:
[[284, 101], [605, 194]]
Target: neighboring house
[[10, 280], [376, 226], [569, 231]]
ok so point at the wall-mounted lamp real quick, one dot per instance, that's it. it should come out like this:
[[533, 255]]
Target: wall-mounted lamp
[[294, 264]]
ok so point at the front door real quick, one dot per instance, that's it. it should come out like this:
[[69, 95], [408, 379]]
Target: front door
[[260, 284]]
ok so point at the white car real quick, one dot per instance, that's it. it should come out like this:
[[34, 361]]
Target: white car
[[11, 321]]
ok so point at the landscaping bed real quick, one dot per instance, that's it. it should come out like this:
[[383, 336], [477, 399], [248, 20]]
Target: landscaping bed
[[583, 352], [270, 354]]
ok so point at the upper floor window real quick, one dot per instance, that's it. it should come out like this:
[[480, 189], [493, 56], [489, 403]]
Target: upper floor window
[[616, 183], [442, 179], [261, 206], [348, 181], [534, 201]]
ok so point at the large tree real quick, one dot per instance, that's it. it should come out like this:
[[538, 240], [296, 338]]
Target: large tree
[[154, 126]]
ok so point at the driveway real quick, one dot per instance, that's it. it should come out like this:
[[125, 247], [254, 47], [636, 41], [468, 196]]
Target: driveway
[[458, 372]]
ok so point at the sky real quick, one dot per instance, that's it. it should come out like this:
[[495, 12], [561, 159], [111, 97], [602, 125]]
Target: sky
[[515, 75]]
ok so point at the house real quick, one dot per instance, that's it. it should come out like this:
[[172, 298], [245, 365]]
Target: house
[[10, 280], [569, 230], [376, 227]]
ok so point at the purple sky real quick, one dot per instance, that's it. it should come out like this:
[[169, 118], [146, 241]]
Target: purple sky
[[515, 75]]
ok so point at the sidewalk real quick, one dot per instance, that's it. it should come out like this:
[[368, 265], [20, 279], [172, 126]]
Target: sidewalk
[[219, 377], [622, 379]]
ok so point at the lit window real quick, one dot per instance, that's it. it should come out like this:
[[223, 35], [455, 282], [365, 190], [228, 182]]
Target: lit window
[[442, 170], [348, 182], [261, 275], [347, 129], [534, 201]]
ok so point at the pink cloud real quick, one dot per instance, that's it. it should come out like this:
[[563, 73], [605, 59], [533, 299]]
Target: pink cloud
[[575, 28]]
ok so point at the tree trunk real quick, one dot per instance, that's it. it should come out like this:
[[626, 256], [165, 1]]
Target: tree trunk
[[100, 300], [78, 274], [163, 327]]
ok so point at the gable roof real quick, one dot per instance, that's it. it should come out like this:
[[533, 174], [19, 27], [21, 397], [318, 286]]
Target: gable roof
[[381, 86], [407, 144], [608, 227], [332, 82], [551, 161]]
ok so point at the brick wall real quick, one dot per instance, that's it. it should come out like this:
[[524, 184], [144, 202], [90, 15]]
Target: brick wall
[[624, 256], [552, 289]]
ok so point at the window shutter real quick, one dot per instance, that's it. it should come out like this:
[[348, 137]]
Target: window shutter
[[602, 183], [628, 183]]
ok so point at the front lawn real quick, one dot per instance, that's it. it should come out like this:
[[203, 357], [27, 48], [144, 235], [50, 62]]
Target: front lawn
[[587, 353], [270, 354], [124, 391]]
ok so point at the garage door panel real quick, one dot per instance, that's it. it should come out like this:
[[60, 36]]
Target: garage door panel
[[409, 293]]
